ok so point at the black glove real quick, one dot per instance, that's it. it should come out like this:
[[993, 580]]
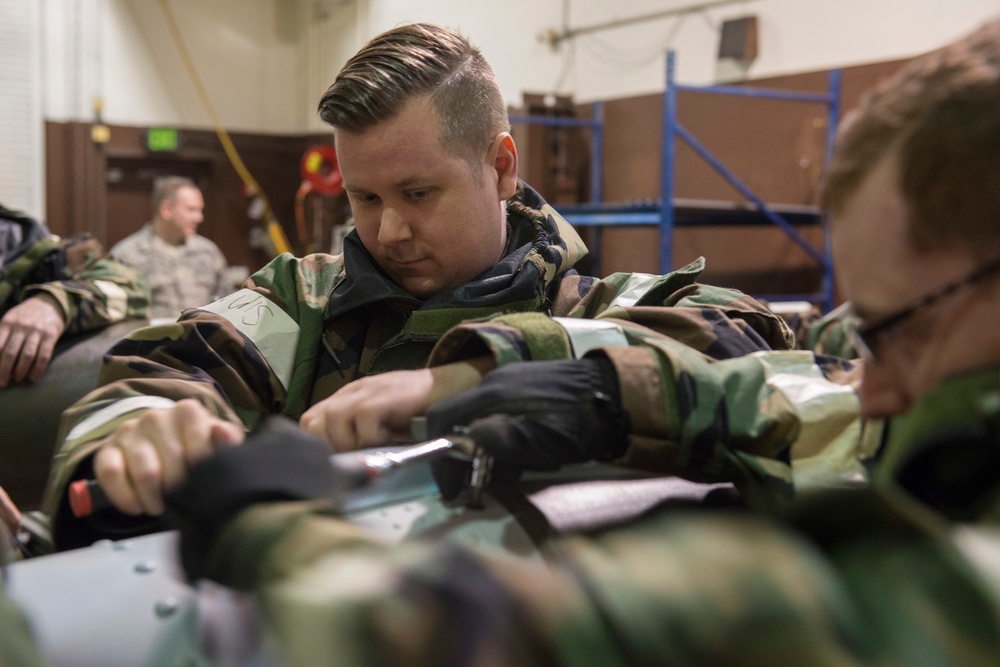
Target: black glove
[[537, 415], [277, 462]]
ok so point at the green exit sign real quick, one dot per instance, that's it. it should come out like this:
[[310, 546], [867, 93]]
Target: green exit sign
[[161, 139]]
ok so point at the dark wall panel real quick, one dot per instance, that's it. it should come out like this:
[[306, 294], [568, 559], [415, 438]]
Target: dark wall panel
[[774, 147], [105, 188]]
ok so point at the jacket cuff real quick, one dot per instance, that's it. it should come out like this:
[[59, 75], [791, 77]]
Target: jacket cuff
[[643, 396], [508, 338], [58, 294]]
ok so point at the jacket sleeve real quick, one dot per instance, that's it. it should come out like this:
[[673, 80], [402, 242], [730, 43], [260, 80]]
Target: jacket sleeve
[[673, 588], [92, 289], [830, 333], [720, 322], [752, 420], [241, 357]]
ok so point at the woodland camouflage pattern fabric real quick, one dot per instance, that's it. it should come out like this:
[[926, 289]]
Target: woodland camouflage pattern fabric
[[827, 334], [766, 421], [882, 575], [92, 290], [16, 646], [349, 321]]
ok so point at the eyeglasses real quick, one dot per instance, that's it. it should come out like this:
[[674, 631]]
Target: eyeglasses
[[865, 339]]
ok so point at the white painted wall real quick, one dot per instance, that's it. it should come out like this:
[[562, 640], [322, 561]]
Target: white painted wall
[[250, 56], [21, 149], [265, 63], [794, 36]]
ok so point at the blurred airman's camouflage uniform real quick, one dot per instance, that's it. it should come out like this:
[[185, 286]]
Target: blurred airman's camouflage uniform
[[827, 334], [905, 573], [17, 648], [306, 327], [183, 276], [93, 291]]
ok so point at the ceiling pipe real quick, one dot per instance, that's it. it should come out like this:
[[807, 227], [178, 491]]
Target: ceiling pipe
[[555, 37]]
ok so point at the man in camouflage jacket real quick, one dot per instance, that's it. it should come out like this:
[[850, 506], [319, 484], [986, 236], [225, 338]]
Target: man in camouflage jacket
[[17, 648], [906, 572], [350, 323], [445, 233], [52, 288]]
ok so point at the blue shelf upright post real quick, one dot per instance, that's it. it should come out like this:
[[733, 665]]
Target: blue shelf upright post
[[832, 121], [667, 169], [672, 130], [596, 126], [596, 178]]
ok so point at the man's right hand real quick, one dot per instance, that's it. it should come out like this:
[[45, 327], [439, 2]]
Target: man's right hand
[[28, 335], [147, 456]]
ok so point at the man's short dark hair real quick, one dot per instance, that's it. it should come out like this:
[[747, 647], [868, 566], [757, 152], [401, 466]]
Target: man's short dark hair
[[420, 60]]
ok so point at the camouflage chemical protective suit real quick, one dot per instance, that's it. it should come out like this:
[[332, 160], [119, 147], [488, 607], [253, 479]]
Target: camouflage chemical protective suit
[[303, 328], [92, 290], [17, 648], [903, 573]]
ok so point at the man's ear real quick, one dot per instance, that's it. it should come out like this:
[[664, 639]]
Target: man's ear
[[505, 164], [164, 209]]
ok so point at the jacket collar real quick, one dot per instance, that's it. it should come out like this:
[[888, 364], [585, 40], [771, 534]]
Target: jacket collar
[[29, 232], [945, 451]]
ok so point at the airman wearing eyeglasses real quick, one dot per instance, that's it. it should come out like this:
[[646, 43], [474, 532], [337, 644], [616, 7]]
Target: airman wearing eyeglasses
[[914, 202], [917, 245]]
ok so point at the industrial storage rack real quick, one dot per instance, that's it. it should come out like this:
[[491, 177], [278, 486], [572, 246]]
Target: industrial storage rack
[[668, 212]]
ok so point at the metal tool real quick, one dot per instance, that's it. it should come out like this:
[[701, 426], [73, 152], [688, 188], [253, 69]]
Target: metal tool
[[86, 496]]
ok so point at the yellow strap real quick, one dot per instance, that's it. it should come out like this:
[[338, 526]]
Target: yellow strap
[[274, 229]]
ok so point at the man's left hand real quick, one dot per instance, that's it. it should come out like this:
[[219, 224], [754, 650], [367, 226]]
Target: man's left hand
[[28, 335]]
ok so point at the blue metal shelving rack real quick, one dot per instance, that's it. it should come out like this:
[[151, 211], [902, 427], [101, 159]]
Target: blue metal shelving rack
[[667, 214]]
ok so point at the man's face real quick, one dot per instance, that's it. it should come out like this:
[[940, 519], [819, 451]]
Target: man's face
[[185, 212], [420, 212], [880, 272]]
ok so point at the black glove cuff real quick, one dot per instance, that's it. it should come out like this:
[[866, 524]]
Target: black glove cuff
[[269, 466], [608, 401]]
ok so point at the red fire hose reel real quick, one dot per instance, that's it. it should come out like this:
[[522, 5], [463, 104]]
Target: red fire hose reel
[[320, 175], [319, 168]]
